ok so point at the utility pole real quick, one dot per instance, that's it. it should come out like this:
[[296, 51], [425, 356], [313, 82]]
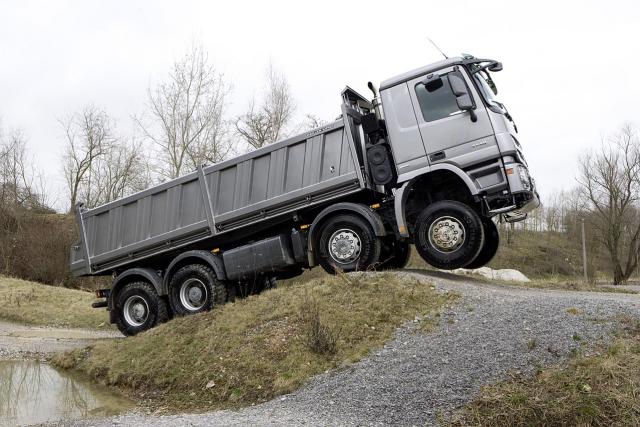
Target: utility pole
[[584, 254]]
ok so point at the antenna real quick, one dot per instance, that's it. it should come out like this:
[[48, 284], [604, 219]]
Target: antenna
[[436, 46]]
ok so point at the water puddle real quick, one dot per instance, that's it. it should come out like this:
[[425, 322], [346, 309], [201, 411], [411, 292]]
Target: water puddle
[[32, 392]]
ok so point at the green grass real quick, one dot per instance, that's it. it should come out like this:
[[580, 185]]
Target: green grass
[[602, 390], [255, 349], [32, 303]]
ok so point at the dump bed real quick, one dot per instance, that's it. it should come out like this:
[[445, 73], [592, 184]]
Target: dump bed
[[312, 168]]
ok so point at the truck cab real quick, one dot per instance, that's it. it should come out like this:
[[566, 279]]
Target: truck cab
[[445, 116]]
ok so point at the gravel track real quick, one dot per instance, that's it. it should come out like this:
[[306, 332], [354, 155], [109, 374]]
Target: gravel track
[[416, 377]]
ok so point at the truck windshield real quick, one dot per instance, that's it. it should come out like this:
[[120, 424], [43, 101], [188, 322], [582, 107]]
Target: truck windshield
[[485, 88]]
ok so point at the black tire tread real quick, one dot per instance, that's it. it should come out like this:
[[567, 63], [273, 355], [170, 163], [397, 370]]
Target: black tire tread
[[490, 247], [217, 288], [368, 258], [160, 315], [474, 230]]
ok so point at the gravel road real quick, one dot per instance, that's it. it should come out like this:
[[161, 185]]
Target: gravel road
[[18, 341], [491, 331]]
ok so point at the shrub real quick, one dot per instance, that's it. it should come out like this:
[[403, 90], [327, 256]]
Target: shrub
[[35, 246], [318, 336]]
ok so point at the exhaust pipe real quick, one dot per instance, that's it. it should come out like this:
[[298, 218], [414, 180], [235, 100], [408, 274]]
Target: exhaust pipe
[[377, 104]]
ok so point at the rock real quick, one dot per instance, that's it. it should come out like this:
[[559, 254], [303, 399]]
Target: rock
[[506, 274]]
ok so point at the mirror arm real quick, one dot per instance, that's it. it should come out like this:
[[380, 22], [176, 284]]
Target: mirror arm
[[483, 67], [474, 116]]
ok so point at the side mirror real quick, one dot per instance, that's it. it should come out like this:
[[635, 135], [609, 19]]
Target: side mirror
[[432, 82], [495, 67], [463, 97]]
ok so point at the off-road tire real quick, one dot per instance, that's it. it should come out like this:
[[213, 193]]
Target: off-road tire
[[215, 290], [473, 232], [370, 245], [395, 255], [490, 247], [158, 311]]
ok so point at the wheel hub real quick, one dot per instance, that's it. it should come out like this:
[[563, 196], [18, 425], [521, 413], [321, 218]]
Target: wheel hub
[[193, 294], [136, 310], [446, 234], [345, 246]]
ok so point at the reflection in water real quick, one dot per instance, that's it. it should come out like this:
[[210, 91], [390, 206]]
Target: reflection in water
[[32, 392]]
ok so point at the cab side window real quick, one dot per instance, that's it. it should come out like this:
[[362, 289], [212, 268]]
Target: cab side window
[[438, 104]]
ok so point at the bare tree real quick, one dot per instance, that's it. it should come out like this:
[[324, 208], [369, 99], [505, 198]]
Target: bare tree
[[265, 123], [15, 179], [610, 179], [88, 138], [311, 122], [188, 115], [121, 171], [21, 185], [99, 167]]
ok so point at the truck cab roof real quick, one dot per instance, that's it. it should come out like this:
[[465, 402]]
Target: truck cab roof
[[408, 75]]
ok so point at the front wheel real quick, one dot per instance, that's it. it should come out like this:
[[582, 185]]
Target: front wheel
[[490, 247], [448, 234], [138, 308], [347, 243]]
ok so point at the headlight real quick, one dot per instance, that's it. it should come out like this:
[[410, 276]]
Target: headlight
[[524, 177]]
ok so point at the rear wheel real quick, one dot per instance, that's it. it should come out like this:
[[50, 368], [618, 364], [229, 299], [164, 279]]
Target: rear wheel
[[347, 243], [395, 255], [490, 247], [138, 308], [448, 234], [194, 289]]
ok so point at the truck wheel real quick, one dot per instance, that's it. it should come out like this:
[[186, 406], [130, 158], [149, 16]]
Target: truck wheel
[[448, 234], [395, 256], [194, 289], [138, 308], [347, 243], [490, 247]]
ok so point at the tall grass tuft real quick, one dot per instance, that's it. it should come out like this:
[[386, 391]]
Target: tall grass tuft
[[319, 337]]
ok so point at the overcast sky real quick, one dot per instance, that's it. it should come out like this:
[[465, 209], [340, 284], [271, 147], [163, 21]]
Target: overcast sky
[[570, 68]]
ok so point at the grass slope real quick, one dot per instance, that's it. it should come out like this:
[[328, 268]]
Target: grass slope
[[36, 304], [260, 347], [601, 390]]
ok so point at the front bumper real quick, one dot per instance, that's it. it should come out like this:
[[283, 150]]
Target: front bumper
[[523, 190], [521, 198], [524, 205]]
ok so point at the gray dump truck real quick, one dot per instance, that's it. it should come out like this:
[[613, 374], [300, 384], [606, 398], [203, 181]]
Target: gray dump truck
[[428, 161]]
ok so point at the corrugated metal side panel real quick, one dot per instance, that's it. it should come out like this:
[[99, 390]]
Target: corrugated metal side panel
[[151, 219], [317, 164], [273, 180]]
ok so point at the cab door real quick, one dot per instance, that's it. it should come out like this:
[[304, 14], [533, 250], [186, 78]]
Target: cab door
[[447, 133]]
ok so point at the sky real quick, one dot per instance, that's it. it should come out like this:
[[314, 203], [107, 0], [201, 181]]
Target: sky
[[569, 75]]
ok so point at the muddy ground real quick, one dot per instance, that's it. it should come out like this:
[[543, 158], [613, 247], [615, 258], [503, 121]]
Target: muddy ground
[[24, 341]]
